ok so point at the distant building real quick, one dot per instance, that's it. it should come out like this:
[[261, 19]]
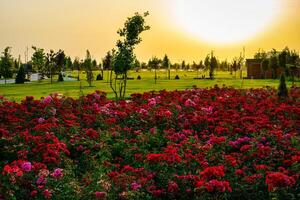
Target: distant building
[[254, 68], [255, 71]]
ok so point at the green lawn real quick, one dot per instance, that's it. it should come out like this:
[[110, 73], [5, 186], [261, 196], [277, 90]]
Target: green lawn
[[72, 88]]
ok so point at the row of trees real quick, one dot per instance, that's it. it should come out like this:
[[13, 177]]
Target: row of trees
[[273, 60], [54, 63]]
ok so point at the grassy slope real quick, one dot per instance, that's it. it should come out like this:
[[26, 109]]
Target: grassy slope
[[38, 89]]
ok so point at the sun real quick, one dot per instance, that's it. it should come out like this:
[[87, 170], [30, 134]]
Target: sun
[[225, 21]]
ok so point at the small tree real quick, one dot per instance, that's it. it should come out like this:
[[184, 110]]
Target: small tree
[[60, 61], [50, 64], [6, 64], [166, 65], [69, 64], [183, 66], [20, 78], [200, 66], [234, 67], [282, 89], [211, 63], [88, 65], [123, 58], [38, 61], [76, 65], [273, 63], [107, 63], [264, 66], [154, 64]]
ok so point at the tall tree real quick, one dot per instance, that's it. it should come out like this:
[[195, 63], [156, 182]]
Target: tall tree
[[20, 78], [234, 66], [107, 63], [166, 64], [200, 66], [76, 66], [183, 66], [50, 64], [154, 64], [211, 63], [38, 61], [88, 65], [94, 64], [273, 63], [69, 63], [123, 58], [265, 66], [60, 61], [6, 64], [137, 65]]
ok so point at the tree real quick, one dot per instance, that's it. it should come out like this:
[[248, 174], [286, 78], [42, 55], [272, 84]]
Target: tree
[[183, 66], [261, 54], [50, 64], [273, 63], [264, 66], [282, 57], [38, 61], [282, 89], [211, 63], [107, 63], [166, 64], [123, 58], [68, 62], [76, 65], [6, 64], [154, 64], [20, 78], [234, 66], [88, 65], [200, 66], [94, 64]]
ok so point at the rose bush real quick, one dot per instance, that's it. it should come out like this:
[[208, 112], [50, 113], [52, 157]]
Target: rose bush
[[218, 143]]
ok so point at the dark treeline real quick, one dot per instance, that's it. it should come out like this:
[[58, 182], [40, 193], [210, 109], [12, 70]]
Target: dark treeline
[[274, 59], [48, 64]]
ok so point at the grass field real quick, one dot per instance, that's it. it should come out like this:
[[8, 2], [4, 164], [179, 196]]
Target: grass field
[[75, 89]]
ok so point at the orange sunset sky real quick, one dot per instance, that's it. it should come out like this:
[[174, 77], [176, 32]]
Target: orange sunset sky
[[183, 29]]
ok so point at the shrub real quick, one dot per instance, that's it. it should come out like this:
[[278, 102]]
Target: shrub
[[99, 77], [20, 78], [282, 89], [60, 77]]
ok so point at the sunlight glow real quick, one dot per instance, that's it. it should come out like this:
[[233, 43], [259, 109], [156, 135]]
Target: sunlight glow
[[225, 21]]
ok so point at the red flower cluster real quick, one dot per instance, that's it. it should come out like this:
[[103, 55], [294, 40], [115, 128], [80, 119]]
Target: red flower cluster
[[201, 143]]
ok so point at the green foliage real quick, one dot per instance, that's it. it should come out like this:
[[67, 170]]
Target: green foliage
[[265, 66], [107, 61], [68, 62], [6, 64], [38, 60], [123, 58], [20, 78], [60, 77], [273, 62], [211, 63], [88, 64]]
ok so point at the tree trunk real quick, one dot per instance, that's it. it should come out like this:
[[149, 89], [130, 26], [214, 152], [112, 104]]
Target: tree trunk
[[125, 84], [111, 84], [155, 77], [51, 75]]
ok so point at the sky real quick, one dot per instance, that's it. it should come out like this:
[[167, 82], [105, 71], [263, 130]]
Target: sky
[[182, 29]]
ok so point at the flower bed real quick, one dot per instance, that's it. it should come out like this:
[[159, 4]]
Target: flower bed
[[219, 143]]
